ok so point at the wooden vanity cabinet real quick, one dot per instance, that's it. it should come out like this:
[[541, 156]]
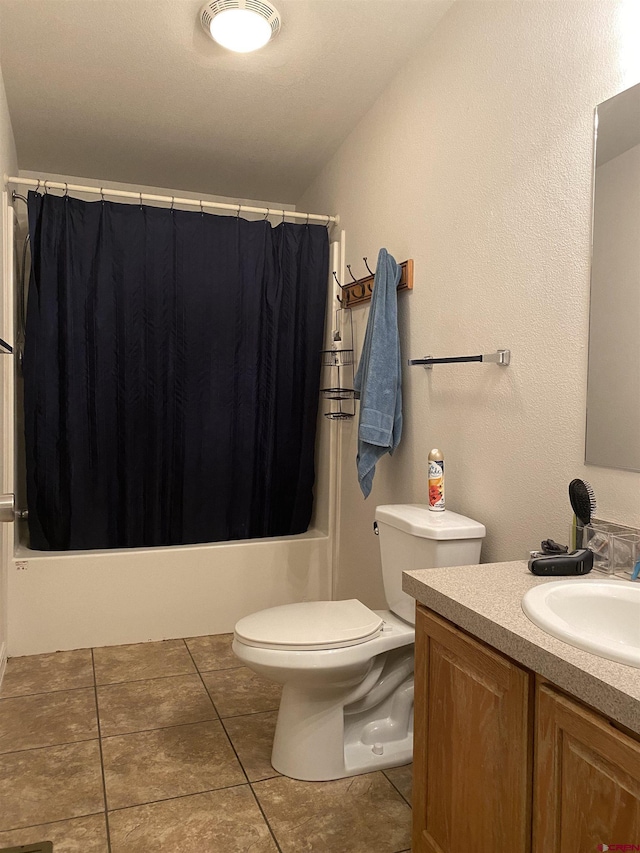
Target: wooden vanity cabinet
[[472, 753], [587, 779], [484, 755]]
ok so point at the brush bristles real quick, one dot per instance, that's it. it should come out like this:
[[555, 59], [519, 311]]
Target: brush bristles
[[583, 500]]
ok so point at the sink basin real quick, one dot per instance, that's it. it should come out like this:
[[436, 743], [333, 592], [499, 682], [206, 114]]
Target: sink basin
[[599, 616]]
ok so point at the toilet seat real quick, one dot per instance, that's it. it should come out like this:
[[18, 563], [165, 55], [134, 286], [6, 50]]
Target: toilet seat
[[310, 626]]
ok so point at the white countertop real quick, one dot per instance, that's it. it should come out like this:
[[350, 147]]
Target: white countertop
[[485, 601]]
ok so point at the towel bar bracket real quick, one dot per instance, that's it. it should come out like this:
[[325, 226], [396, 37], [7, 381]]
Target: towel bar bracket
[[502, 358]]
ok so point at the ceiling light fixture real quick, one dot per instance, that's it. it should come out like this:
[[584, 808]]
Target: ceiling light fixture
[[240, 25]]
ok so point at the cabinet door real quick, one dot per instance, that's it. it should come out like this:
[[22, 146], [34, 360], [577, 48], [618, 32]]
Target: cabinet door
[[586, 781], [472, 755]]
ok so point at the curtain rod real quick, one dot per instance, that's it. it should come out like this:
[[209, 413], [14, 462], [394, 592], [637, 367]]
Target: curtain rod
[[323, 219]]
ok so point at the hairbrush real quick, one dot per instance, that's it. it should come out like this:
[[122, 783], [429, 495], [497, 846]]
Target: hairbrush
[[583, 504]]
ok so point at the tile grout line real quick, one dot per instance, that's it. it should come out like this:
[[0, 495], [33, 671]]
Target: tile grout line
[[46, 692], [48, 746], [154, 678], [179, 797], [391, 782], [48, 822], [240, 764], [224, 728], [104, 781], [160, 729], [264, 816]]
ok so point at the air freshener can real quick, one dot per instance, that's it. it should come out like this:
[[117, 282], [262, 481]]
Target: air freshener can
[[436, 481]]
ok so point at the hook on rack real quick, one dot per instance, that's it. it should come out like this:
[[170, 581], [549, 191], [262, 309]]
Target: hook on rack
[[343, 287], [371, 272], [363, 290]]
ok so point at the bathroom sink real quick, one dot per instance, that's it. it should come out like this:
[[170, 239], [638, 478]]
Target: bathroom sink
[[599, 616]]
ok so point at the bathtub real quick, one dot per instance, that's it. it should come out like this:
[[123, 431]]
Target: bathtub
[[70, 600]]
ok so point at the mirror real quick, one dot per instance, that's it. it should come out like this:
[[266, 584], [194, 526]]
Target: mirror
[[613, 387]]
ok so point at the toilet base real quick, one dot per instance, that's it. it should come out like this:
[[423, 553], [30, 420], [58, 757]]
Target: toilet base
[[329, 734], [359, 758]]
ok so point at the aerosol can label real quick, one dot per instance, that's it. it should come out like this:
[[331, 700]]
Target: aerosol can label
[[436, 485]]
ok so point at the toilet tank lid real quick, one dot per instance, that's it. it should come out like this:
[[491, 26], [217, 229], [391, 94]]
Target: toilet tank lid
[[419, 520]]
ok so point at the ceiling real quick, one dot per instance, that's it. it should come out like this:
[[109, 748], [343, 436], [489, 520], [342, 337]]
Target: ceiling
[[135, 91]]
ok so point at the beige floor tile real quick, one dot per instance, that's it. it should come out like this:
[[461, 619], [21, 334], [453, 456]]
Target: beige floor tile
[[252, 738], [361, 814], [44, 785], [227, 821], [402, 778], [47, 719], [241, 691], [44, 673], [153, 704], [155, 765], [81, 835], [213, 652], [142, 660]]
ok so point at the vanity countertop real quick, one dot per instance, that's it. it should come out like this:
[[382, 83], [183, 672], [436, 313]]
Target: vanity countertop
[[484, 600]]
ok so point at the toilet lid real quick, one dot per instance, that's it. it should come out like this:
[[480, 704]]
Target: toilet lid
[[310, 625]]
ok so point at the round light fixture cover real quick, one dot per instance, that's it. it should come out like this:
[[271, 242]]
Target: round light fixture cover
[[240, 25]]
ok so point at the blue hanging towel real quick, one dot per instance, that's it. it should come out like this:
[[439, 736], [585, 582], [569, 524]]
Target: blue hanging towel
[[379, 376]]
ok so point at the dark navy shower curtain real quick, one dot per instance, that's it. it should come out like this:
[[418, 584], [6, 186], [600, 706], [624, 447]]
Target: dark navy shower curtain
[[171, 375]]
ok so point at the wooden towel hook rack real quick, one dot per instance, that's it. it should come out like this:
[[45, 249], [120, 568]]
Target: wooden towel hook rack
[[360, 289]]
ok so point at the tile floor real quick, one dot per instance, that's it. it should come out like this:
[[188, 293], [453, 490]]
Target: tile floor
[[164, 748]]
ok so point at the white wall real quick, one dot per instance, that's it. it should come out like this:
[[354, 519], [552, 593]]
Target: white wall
[[8, 164], [476, 162]]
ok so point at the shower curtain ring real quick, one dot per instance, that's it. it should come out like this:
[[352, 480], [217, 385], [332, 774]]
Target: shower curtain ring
[[140, 194], [102, 194], [283, 215], [173, 201], [266, 216], [66, 190], [328, 222], [201, 208], [238, 213], [38, 187], [46, 192], [307, 222]]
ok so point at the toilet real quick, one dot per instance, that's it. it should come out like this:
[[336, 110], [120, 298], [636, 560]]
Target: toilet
[[346, 670]]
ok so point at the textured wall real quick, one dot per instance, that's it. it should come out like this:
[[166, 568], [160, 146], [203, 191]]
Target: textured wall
[[477, 162], [8, 165]]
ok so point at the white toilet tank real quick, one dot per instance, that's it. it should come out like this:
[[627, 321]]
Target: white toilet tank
[[414, 537]]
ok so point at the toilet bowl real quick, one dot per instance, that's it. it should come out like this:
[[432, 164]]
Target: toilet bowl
[[346, 670]]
